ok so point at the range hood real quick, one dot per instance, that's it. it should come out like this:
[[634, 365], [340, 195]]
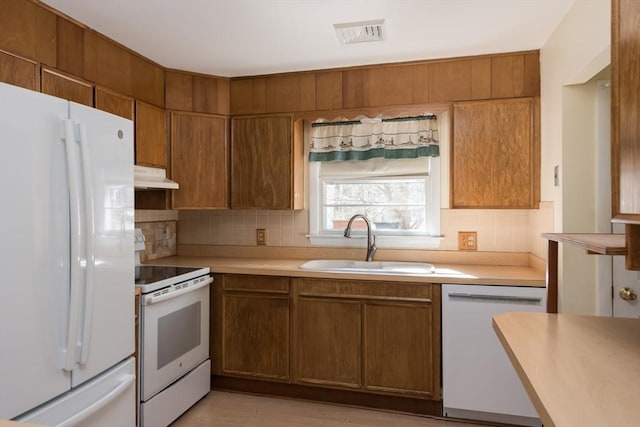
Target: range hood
[[146, 178]]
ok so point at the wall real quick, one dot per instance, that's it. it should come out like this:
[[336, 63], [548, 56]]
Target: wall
[[498, 230], [577, 50]]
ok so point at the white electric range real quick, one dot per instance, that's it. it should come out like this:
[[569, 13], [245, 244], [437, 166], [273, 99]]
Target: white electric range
[[174, 368]]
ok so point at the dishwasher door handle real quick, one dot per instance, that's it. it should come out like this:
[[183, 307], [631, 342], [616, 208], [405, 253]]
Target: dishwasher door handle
[[496, 298]]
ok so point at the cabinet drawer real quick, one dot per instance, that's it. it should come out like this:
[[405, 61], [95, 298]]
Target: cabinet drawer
[[246, 283], [365, 289]]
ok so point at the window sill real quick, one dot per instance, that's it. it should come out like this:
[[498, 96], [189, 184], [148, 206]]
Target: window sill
[[385, 242]]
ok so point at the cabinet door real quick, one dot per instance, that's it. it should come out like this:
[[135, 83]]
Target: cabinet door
[[625, 123], [495, 154], [625, 110], [151, 135], [114, 103], [403, 334], [329, 342], [62, 86], [199, 153], [255, 332], [263, 157], [18, 72]]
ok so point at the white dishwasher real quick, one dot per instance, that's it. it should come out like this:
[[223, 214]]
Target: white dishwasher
[[478, 380]]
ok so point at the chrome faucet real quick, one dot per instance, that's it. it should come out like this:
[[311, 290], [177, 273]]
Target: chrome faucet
[[371, 238]]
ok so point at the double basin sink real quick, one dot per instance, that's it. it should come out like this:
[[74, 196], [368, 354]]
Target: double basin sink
[[371, 267]]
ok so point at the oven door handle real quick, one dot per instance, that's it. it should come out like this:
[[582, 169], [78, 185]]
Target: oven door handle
[[153, 299]]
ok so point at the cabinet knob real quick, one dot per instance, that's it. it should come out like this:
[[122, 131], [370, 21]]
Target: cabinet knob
[[628, 294]]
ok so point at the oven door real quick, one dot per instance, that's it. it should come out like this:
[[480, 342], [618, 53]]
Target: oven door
[[174, 336]]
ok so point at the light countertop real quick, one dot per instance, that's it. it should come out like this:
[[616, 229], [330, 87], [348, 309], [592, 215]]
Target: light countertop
[[445, 273], [578, 370]]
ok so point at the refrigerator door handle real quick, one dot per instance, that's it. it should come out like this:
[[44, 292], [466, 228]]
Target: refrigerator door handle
[[125, 382], [69, 352], [89, 222]]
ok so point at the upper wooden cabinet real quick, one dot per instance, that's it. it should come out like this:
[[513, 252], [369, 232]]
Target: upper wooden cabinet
[[151, 135], [625, 110], [197, 93], [66, 87], [515, 76], [248, 96], [28, 30], [19, 72], [496, 154], [625, 123], [436, 81], [115, 67], [266, 163], [114, 103], [293, 92], [199, 161], [284, 93]]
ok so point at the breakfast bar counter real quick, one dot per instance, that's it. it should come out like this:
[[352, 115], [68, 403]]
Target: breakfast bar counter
[[578, 370]]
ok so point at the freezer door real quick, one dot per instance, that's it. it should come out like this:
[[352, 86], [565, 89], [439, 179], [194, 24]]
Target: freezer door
[[34, 254], [106, 401], [106, 325]]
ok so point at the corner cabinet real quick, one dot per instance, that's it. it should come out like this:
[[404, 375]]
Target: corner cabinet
[[495, 154], [199, 161], [267, 161], [625, 121]]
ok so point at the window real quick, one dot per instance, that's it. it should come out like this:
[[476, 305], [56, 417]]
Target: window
[[391, 203], [404, 207], [385, 169]]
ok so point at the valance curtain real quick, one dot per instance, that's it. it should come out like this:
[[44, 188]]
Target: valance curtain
[[397, 138]]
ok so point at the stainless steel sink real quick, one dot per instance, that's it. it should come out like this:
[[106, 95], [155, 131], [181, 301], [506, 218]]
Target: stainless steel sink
[[371, 267]]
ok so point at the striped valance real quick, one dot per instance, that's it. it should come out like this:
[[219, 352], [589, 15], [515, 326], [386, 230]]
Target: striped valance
[[397, 138]]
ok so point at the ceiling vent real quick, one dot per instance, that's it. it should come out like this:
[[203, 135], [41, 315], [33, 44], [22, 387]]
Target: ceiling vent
[[358, 32]]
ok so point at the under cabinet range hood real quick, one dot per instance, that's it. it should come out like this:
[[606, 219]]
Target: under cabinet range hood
[[146, 178]]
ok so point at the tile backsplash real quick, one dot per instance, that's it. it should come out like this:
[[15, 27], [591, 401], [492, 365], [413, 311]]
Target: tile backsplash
[[498, 230], [160, 232]]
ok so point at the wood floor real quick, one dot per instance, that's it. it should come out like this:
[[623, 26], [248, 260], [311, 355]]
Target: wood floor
[[219, 409]]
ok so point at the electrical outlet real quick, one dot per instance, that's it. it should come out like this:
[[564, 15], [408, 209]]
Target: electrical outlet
[[467, 240], [261, 236]]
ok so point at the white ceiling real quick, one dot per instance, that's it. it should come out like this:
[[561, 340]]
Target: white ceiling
[[233, 38]]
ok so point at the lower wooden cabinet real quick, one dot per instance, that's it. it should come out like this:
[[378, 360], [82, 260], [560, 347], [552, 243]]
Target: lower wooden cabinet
[[376, 337], [399, 349], [377, 340], [255, 328], [329, 342]]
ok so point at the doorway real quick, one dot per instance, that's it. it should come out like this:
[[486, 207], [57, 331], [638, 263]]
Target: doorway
[[611, 274]]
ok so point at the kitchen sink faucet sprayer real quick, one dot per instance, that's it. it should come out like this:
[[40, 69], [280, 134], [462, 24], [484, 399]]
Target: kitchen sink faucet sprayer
[[371, 238]]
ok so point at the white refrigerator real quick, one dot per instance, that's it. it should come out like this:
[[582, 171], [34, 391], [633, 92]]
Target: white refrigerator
[[67, 276]]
